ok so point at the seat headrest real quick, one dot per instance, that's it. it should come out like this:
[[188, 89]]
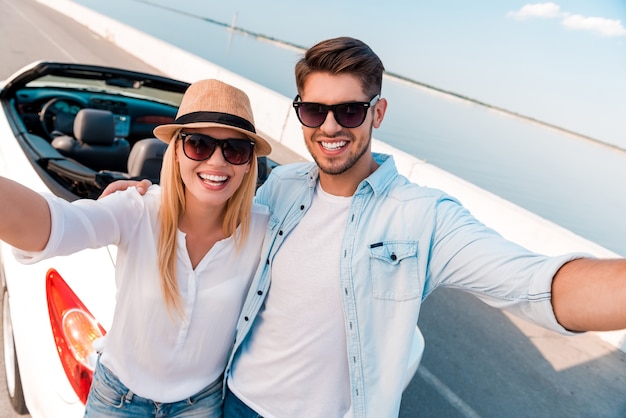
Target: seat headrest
[[94, 127], [146, 158]]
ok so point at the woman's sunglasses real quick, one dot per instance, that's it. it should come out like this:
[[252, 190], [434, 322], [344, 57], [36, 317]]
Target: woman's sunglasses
[[200, 147], [348, 115]]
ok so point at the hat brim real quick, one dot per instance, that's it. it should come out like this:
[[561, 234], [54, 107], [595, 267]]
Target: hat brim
[[166, 132]]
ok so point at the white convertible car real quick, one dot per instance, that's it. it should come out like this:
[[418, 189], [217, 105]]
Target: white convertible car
[[71, 129]]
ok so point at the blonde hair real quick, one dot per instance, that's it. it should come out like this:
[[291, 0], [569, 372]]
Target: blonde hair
[[238, 210]]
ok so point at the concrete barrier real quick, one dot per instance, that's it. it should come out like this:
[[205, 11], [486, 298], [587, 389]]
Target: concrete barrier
[[276, 119]]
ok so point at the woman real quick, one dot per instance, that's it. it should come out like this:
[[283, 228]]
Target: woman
[[187, 251]]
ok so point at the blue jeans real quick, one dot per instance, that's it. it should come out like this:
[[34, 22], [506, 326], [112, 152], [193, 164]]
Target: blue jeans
[[108, 397], [235, 408]]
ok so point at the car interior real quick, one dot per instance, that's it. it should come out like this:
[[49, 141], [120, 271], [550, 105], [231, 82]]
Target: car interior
[[80, 141]]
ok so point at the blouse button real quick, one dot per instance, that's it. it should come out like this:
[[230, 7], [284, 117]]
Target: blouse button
[[394, 257]]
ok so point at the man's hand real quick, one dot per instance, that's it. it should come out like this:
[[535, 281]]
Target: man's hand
[[119, 185], [589, 294]]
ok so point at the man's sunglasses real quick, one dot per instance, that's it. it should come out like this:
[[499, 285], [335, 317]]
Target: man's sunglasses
[[200, 147], [348, 115]]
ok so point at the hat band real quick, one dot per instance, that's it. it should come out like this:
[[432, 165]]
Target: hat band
[[216, 117]]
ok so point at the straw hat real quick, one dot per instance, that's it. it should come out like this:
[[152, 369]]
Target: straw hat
[[212, 103]]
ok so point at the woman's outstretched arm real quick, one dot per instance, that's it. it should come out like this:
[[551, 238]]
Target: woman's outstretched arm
[[24, 216]]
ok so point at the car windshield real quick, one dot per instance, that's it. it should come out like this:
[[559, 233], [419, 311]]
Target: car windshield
[[118, 86]]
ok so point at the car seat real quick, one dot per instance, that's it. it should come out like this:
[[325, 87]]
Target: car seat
[[95, 144], [146, 158]]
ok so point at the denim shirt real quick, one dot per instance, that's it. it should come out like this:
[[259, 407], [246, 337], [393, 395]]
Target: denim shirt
[[401, 242]]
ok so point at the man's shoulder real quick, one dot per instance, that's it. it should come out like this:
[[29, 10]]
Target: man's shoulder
[[404, 188], [285, 183], [295, 170]]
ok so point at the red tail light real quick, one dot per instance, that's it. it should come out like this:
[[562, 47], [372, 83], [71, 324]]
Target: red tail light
[[74, 330]]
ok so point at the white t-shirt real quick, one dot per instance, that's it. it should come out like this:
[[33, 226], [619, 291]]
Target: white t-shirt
[[159, 356], [299, 339]]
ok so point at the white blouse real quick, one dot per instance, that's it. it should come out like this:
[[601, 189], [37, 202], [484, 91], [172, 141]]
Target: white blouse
[[159, 356]]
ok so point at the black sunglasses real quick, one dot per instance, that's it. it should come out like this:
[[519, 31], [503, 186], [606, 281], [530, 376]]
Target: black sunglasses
[[200, 147], [348, 115]]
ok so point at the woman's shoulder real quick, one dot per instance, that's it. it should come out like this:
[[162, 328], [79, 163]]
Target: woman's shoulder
[[153, 193], [133, 204], [259, 218]]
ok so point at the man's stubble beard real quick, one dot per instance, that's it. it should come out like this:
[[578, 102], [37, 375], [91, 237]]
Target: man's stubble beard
[[352, 159]]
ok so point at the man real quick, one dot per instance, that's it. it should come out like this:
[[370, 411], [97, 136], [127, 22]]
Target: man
[[353, 249]]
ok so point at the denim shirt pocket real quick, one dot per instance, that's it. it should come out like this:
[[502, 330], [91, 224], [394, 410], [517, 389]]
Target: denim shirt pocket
[[393, 270]]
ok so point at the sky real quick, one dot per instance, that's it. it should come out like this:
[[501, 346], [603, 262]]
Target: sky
[[560, 62]]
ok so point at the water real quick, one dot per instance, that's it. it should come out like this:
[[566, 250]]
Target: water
[[570, 180]]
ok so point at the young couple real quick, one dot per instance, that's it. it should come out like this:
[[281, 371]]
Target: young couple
[[346, 250]]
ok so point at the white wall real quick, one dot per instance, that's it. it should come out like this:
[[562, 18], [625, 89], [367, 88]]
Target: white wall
[[275, 118]]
